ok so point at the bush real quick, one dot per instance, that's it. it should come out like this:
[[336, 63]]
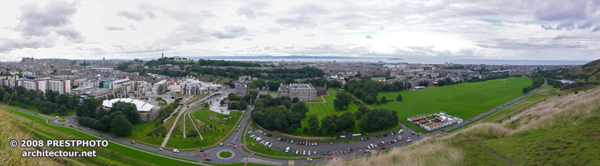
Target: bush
[[192, 133], [159, 131]]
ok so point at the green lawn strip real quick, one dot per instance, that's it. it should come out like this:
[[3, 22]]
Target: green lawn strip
[[196, 98], [61, 120], [465, 100], [34, 109], [319, 99], [118, 147], [542, 94], [210, 138]]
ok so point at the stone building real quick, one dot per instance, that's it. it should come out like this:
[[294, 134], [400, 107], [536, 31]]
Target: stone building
[[304, 92]]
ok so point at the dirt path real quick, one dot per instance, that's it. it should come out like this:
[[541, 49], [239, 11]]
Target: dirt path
[[506, 161]]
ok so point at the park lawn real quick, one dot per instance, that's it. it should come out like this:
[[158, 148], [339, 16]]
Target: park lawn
[[324, 109], [210, 138], [161, 102], [266, 150], [273, 92], [223, 80], [464, 100], [319, 99]]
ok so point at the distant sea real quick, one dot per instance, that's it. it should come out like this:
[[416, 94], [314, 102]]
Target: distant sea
[[421, 61]]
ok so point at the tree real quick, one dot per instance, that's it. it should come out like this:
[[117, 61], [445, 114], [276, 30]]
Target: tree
[[46, 107], [233, 97], [248, 97], [328, 123], [357, 114], [313, 122], [36, 102], [258, 83], [242, 105], [62, 100], [73, 101], [287, 104], [120, 126], [232, 105], [63, 110], [253, 93], [342, 101], [300, 108], [222, 102], [295, 100], [399, 98], [383, 100], [273, 85], [128, 109]]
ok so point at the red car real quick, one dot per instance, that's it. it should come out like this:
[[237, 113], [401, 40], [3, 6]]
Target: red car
[[63, 124], [383, 147]]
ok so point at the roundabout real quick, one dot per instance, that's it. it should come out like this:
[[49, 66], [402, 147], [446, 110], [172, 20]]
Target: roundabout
[[62, 121], [225, 154]]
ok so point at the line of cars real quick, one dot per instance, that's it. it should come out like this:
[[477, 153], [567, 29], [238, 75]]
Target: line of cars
[[297, 143]]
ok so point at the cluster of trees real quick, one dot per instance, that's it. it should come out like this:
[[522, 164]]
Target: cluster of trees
[[119, 119], [342, 101], [203, 62], [377, 119], [165, 112], [538, 80], [335, 123], [239, 103], [48, 102], [278, 113], [424, 83], [367, 90], [446, 81]]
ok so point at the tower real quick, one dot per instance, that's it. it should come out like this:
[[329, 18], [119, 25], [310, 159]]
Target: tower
[[163, 54]]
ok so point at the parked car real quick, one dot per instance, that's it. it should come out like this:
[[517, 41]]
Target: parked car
[[309, 159], [206, 159], [383, 147], [132, 142]]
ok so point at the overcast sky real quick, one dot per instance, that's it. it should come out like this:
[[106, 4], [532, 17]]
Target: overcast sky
[[124, 29]]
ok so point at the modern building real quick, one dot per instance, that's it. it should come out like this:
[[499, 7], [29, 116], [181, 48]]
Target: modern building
[[304, 92], [148, 112], [192, 86], [62, 86]]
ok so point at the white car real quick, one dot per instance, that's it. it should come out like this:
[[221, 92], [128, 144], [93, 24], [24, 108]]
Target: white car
[[175, 151], [308, 153]]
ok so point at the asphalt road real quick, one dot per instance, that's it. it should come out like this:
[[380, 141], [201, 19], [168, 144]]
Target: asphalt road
[[240, 156]]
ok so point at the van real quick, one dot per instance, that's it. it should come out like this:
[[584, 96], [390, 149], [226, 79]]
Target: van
[[175, 151], [258, 139], [287, 149]]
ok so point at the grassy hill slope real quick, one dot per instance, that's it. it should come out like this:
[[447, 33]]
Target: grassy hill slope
[[562, 130], [590, 70]]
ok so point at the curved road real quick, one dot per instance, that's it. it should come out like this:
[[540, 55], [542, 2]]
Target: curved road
[[240, 155]]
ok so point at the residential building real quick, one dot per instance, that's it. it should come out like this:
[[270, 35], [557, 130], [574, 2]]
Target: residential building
[[304, 92]]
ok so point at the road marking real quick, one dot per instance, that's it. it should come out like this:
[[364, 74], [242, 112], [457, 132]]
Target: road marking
[[290, 162]]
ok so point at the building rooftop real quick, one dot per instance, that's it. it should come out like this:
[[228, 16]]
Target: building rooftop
[[140, 105]]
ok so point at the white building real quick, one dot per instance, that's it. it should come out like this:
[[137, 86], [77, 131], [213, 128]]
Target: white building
[[148, 112], [60, 86]]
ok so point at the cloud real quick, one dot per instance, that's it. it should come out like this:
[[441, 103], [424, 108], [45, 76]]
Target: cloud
[[559, 37], [42, 27], [309, 35], [131, 15], [597, 28], [248, 39], [298, 21], [369, 37], [231, 32], [113, 28], [246, 12]]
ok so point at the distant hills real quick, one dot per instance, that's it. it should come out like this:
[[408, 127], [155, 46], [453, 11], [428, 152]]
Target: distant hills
[[589, 71]]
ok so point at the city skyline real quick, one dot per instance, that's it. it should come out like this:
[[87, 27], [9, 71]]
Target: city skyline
[[532, 30]]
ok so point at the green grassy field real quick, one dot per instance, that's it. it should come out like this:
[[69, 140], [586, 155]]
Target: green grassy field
[[210, 137], [115, 154], [319, 99], [464, 100], [196, 98]]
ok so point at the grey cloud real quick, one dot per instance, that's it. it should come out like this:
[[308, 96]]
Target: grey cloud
[[231, 32], [40, 27], [597, 28], [298, 21], [131, 15], [559, 37], [133, 27], [369, 37], [289, 47], [381, 28], [308, 9], [587, 24], [561, 10], [565, 25], [113, 28], [248, 39], [246, 12]]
